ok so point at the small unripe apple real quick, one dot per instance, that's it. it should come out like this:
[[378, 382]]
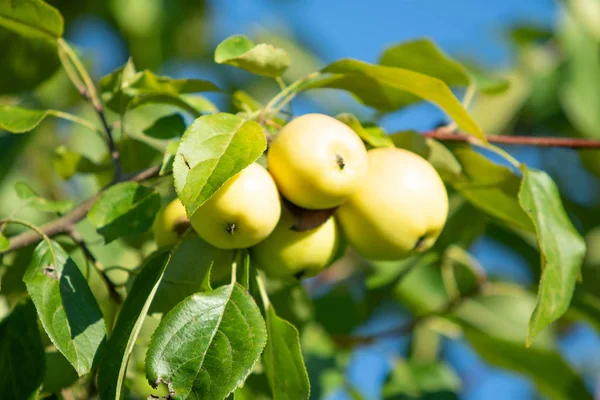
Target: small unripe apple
[[399, 210], [170, 222], [302, 254], [317, 161], [244, 211]]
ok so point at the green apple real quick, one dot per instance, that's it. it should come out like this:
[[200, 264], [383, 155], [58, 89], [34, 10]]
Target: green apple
[[243, 212], [168, 224], [317, 161], [302, 254], [399, 210]]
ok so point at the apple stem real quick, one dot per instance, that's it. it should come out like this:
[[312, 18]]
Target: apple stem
[[230, 228]]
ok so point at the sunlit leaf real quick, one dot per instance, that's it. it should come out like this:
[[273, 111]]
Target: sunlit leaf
[[34, 18], [373, 137], [262, 59]]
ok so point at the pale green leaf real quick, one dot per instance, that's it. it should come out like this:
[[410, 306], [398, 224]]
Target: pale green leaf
[[373, 137], [212, 150], [27, 194], [4, 243], [261, 59], [416, 378], [34, 18], [19, 120]]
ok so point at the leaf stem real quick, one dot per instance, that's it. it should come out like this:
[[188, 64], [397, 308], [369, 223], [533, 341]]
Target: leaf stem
[[78, 120], [263, 290]]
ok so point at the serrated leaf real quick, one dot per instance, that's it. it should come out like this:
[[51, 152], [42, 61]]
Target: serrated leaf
[[422, 55], [21, 354], [114, 365], [390, 88], [33, 18], [208, 344], [373, 137], [166, 127], [68, 163], [261, 59], [551, 374], [65, 305], [561, 247], [124, 209], [212, 150], [26, 193], [284, 365]]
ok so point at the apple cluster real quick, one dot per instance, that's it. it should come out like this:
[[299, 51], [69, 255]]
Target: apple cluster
[[390, 203]]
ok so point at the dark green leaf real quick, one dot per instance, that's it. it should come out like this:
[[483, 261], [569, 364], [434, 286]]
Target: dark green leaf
[[552, 375], [261, 59], [373, 137], [68, 163], [65, 305], [139, 153], [212, 150], [21, 354], [114, 364], [562, 248], [208, 344], [284, 365], [34, 18], [422, 55], [166, 127], [123, 210], [418, 378], [387, 88], [59, 373], [26, 193]]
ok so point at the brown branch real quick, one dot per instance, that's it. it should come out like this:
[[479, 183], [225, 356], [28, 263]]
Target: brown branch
[[65, 224], [538, 141]]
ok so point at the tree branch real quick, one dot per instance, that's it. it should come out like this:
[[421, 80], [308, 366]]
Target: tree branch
[[538, 141], [66, 223]]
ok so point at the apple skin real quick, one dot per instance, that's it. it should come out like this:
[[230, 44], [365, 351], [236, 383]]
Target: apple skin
[[400, 209], [166, 222], [243, 212], [317, 161], [302, 254]]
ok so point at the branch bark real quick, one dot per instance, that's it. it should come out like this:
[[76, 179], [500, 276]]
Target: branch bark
[[65, 224], [538, 141]]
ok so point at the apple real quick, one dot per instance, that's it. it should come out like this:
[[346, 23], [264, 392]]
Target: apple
[[399, 210], [302, 254], [243, 212], [317, 161], [169, 224]]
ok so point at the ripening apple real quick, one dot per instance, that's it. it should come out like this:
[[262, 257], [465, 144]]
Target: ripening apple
[[399, 210], [244, 211], [317, 161], [302, 254], [169, 224]]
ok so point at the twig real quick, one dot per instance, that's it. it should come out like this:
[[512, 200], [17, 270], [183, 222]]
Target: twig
[[65, 223], [539, 141]]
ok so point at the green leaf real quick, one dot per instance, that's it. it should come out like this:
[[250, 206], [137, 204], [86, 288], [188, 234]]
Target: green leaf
[[65, 305], [373, 137], [415, 378], [562, 248], [68, 163], [166, 127], [261, 59], [284, 365], [4, 243], [114, 365], [21, 354], [125, 209], [19, 120], [390, 88], [551, 374], [34, 18], [59, 373], [208, 344], [422, 55], [212, 150], [26, 193], [188, 272]]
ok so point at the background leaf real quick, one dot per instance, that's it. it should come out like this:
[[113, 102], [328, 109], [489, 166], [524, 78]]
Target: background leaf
[[166, 127], [208, 344], [26, 193], [261, 59], [125, 209], [212, 150], [66, 306], [561, 247], [21, 354], [373, 137], [19, 120], [34, 18], [417, 379]]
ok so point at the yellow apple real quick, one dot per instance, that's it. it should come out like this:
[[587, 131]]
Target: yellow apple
[[399, 210], [244, 211], [302, 254], [168, 223], [317, 161]]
